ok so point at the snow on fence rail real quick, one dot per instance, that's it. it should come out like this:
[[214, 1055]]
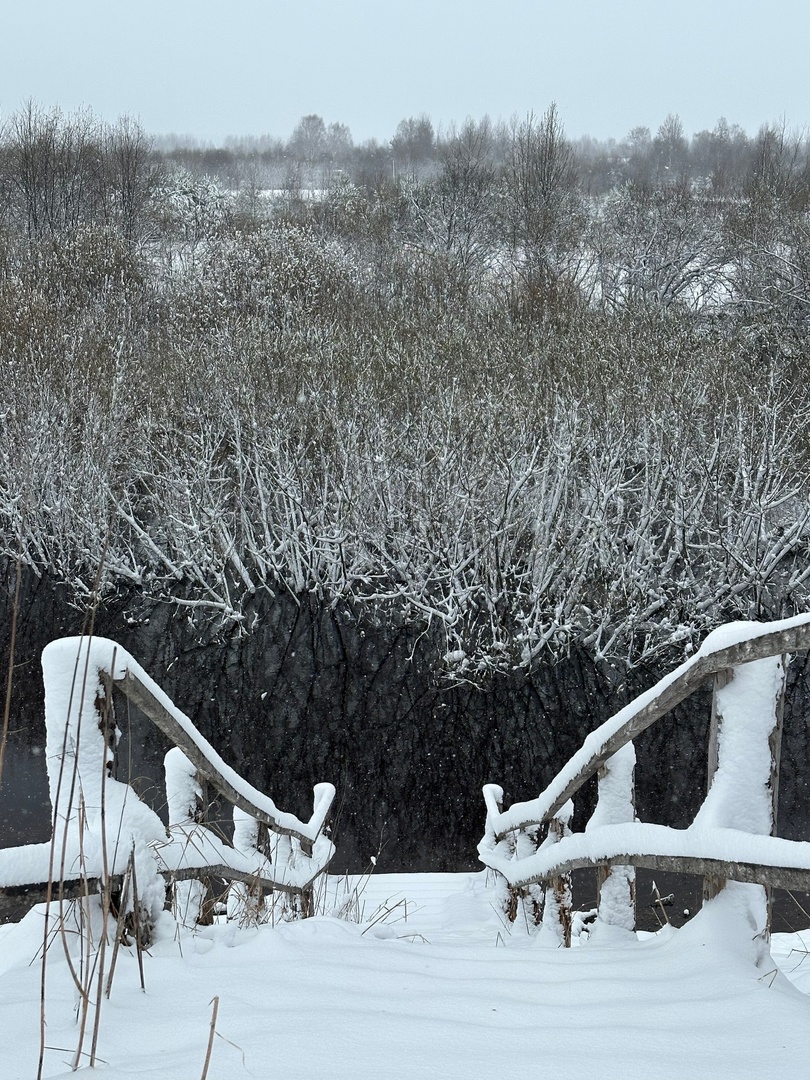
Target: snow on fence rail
[[104, 836], [733, 835]]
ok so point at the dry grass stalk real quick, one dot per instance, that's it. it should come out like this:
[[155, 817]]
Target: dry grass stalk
[[10, 680], [211, 1035]]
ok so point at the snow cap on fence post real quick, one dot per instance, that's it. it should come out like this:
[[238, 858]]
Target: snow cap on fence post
[[97, 821], [246, 903], [184, 792], [184, 798], [615, 806], [80, 745], [747, 711]]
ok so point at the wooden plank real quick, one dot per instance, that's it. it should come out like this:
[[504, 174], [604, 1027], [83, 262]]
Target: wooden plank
[[792, 639], [227, 873], [17, 900], [74, 889], [779, 877], [713, 885], [775, 745]]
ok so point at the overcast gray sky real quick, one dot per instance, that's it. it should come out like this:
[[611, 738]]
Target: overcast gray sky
[[212, 68]]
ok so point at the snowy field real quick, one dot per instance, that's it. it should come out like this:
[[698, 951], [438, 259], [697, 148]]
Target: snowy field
[[435, 988]]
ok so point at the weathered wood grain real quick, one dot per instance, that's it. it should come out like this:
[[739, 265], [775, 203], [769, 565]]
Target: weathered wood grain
[[778, 877]]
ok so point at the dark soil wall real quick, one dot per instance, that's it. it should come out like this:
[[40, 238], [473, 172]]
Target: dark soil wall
[[317, 693]]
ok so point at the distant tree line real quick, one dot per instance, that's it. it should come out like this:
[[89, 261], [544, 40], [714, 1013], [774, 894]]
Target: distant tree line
[[528, 392], [720, 161]]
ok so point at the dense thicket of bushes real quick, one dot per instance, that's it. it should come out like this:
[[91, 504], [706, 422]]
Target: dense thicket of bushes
[[487, 400]]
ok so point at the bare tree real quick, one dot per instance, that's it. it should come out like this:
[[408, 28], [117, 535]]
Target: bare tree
[[768, 236], [308, 142], [134, 176], [671, 150], [62, 172], [657, 248], [453, 213], [413, 143], [542, 211]]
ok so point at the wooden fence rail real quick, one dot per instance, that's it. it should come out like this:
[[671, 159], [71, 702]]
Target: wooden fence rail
[[733, 835], [100, 827]]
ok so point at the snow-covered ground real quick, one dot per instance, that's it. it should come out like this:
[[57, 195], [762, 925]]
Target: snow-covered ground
[[437, 988]]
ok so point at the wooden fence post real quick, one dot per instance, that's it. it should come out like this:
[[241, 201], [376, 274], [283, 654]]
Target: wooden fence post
[[615, 805], [775, 745], [187, 805], [713, 885], [558, 903], [307, 901], [747, 719], [246, 902], [515, 845]]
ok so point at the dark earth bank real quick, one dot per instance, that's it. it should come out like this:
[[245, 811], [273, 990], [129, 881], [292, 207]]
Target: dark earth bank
[[352, 695]]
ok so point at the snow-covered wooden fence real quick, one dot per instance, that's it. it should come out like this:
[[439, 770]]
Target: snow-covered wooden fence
[[733, 836], [105, 838]]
